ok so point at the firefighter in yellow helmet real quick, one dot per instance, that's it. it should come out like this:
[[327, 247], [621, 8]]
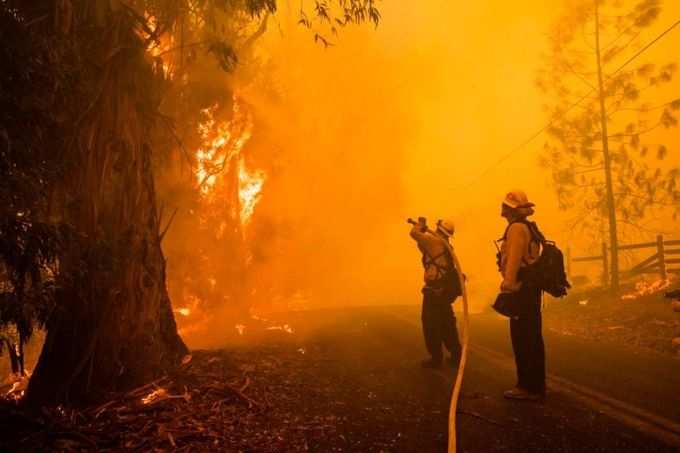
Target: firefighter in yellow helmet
[[518, 250], [442, 286]]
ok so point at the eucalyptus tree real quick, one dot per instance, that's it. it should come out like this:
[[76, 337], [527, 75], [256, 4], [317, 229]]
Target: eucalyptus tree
[[112, 326]]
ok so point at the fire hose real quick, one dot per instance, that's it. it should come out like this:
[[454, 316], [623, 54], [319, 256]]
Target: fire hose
[[463, 359], [453, 407]]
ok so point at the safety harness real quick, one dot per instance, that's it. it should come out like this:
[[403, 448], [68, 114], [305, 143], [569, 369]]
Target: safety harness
[[442, 270]]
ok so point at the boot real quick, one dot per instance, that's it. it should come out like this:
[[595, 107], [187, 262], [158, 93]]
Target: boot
[[519, 393], [431, 363], [453, 360]]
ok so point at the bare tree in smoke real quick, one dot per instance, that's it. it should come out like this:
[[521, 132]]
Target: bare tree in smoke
[[606, 147]]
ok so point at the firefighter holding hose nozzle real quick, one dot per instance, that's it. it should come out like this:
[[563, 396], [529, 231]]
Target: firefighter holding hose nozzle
[[442, 287]]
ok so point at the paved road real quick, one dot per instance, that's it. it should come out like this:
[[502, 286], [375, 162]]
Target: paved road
[[601, 399]]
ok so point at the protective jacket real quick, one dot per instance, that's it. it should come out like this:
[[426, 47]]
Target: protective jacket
[[517, 251], [437, 253]]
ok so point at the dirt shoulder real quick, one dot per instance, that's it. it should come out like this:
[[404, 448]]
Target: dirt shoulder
[[647, 322], [286, 393]]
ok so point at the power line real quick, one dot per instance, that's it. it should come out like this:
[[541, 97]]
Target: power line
[[538, 133], [533, 137], [639, 52]]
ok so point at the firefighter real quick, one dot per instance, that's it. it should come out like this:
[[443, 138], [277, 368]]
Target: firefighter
[[441, 288], [518, 250]]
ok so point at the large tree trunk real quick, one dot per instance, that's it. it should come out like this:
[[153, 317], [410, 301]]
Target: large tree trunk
[[114, 327]]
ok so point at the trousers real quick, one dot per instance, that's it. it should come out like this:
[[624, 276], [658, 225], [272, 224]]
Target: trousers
[[527, 341], [439, 326]]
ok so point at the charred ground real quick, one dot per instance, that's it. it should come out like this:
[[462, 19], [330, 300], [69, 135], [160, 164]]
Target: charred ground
[[349, 381]]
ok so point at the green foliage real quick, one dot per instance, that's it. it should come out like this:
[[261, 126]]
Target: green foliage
[[330, 16], [30, 166], [573, 153]]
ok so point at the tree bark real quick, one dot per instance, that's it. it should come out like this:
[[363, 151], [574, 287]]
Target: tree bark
[[113, 328], [611, 202]]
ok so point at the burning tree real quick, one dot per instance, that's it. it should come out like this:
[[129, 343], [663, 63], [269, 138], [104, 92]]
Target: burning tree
[[605, 151], [216, 200], [113, 68], [224, 193]]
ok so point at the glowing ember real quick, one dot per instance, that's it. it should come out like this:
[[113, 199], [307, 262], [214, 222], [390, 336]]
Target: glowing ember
[[285, 328], [182, 311], [154, 396], [249, 189], [257, 318], [240, 328], [19, 385], [160, 47], [644, 288]]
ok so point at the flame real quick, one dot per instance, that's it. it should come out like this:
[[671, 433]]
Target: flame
[[154, 396], [240, 328], [214, 140], [222, 146], [183, 311], [19, 385], [159, 48], [285, 328], [249, 191], [645, 288]]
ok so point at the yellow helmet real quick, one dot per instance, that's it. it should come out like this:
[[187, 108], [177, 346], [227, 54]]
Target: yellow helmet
[[446, 227], [517, 199]]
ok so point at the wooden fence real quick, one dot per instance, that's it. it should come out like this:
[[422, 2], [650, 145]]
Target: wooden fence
[[664, 261]]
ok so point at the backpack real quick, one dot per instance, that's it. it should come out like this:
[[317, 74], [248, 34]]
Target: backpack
[[448, 281], [547, 272]]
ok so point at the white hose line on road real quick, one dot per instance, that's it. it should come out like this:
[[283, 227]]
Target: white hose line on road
[[463, 358], [641, 420]]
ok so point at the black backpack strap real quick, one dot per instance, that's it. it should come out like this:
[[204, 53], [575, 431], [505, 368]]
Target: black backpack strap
[[534, 233], [429, 260]]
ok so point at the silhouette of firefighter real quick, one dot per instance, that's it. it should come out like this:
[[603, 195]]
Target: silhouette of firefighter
[[521, 247], [442, 287]]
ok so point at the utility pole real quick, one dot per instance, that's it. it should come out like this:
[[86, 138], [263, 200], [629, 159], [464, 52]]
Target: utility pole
[[611, 206]]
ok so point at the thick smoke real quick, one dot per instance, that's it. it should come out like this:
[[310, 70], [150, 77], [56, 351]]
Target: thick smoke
[[418, 117]]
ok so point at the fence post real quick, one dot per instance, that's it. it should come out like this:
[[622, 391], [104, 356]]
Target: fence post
[[605, 266], [662, 258]]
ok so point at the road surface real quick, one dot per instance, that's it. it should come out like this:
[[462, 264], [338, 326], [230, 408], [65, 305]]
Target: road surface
[[600, 398]]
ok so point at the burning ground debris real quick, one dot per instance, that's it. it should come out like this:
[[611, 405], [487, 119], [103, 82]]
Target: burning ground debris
[[219, 401], [641, 317], [646, 288], [14, 386], [282, 395]]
